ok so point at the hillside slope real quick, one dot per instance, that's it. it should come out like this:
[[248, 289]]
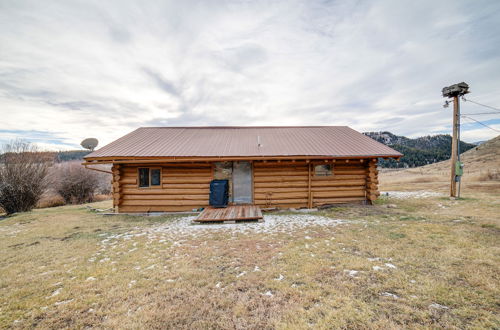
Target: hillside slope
[[419, 151], [481, 172]]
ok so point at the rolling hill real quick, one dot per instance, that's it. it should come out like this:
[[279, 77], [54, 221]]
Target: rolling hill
[[419, 151], [481, 172]]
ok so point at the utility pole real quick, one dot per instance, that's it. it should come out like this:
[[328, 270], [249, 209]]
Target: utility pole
[[455, 91]]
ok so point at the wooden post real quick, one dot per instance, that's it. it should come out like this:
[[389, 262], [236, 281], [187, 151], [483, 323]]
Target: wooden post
[[309, 194], [116, 187], [454, 146]]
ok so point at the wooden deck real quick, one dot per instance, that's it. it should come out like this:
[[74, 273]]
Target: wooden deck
[[230, 214]]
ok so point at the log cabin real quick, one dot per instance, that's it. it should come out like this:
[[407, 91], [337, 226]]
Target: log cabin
[[168, 169]]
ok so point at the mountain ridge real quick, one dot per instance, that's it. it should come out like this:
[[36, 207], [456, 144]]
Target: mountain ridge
[[420, 151]]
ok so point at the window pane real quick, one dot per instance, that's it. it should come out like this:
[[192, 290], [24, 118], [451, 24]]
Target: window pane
[[155, 177], [323, 170], [224, 171], [144, 177]]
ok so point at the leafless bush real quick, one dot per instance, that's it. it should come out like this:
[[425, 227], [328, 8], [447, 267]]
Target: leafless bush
[[75, 183], [23, 170], [50, 199]]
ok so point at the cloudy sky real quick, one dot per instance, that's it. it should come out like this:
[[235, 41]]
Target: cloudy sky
[[76, 69]]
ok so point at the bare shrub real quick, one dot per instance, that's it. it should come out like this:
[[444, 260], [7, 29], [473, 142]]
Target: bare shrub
[[23, 170], [75, 183], [50, 200]]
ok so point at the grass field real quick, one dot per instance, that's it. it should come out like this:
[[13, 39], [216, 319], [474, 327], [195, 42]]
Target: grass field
[[412, 263]]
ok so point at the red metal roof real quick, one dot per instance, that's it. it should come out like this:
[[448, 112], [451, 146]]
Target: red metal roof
[[334, 141]]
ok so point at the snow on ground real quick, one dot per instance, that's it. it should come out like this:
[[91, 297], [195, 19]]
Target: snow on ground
[[271, 224], [176, 230], [410, 194]]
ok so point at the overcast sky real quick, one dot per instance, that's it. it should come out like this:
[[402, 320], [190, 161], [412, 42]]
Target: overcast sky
[[76, 69]]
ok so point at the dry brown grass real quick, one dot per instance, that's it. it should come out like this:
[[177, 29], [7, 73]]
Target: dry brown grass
[[50, 200], [481, 173], [58, 273]]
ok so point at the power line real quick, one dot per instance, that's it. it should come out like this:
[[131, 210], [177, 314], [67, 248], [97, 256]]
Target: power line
[[477, 121], [483, 105], [480, 113]]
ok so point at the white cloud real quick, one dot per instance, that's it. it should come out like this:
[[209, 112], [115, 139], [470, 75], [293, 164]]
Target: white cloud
[[93, 68]]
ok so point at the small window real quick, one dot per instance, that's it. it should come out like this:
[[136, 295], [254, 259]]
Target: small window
[[144, 177], [149, 177], [155, 177], [323, 170]]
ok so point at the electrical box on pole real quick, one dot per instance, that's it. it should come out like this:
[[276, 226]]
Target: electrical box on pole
[[454, 92]]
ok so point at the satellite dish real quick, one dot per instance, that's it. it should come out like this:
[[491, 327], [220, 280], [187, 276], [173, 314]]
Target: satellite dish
[[89, 143]]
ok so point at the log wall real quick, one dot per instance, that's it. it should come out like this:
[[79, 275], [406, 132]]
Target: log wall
[[285, 184], [183, 188]]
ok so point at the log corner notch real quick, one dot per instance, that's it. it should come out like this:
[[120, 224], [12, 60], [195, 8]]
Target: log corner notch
[[372, 181], [117, 193]]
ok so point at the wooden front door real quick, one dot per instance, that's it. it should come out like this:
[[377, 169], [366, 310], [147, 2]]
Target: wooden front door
[[242, 183]]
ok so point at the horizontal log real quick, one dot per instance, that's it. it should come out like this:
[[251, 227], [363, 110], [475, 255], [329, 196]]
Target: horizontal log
[[280, 195], [332, 183], [199, 180], [338, 177], [132, 180], [338, 188], [205, 185], [349, 172], [166, 197], [259, 165], [263, 204], [167, 174], [145, 209], [280, 173], [346, 193], [279, 178], [277, 190], [165, 191], [194, 203], [284, 200], [296, 184], [169, 165], [318, 202]]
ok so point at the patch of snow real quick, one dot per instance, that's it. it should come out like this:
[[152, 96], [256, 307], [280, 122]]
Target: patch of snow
[[388, 265], [271, 224], [411, 194], [256, 269], [438, 306], [388, 294], [241, 274], [351, 273], [55, 293], [373, 259], [268, 293], [57, 303], [279, 278], [91, 278], [377, 268]]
